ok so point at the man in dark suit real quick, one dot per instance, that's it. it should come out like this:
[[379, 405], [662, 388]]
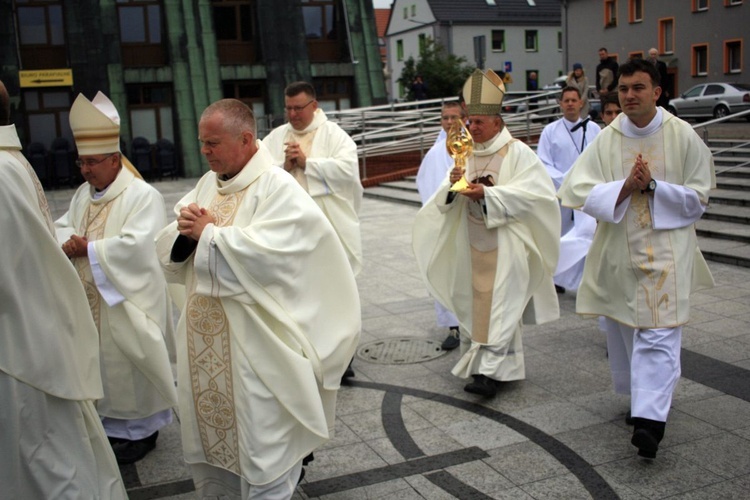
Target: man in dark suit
[[661, 67]]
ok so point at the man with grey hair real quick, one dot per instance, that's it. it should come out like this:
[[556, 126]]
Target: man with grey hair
[[271, 320], [661, 67], [488, 251], [52, 441]]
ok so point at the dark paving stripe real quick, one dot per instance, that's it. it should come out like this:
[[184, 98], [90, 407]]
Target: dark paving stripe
[[130, 476], [711, 372], [455, 487], [393, 423], [162, 490], [586, 474], [391, 472]]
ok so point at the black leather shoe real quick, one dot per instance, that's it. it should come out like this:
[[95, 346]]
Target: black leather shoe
[[128, 452], [348, 373], [452, 340], [559, 289], [647, 434], [484, 386]]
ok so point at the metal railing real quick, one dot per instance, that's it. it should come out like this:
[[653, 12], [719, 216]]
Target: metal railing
[[703, 130]]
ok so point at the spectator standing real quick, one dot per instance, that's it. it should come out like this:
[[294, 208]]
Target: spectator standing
[[661, 67], [578, 79], [606, 73]]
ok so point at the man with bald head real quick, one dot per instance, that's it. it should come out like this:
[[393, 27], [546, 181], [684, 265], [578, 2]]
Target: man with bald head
[[271, 320], [661, 67], [488, 252]]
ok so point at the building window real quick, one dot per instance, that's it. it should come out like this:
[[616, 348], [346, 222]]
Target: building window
[[635, 55], [635, 11], [730, 3], [41, 34], [141, 33], [559, 41], [322, 22], [406, 12], [699, 64], [47, 113], [413, 10], [666, 36], [399, 50], [422, 43], [498, 40], [733, 56], [333, 94], [235, 28], [531, 41], [250, 92], [610, 13], [150, 109], [700, 5]]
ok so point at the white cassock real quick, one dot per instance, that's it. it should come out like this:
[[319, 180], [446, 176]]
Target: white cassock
[[129, 302], [433, 170], [271, 321], [492, 261], [331, 176], [644, 260], [53, 444], [558, 148]]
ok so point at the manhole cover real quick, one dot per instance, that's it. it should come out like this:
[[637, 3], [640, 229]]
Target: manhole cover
[[400, 351]]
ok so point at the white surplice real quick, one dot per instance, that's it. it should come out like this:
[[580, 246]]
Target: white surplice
[[271, 321], [53, 444], [331, 176], [492, 261]]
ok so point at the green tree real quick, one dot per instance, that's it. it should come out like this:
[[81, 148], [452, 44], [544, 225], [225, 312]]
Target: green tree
[[443, 73]]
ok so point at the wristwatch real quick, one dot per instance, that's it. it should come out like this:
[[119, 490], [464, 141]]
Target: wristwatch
[[651, 186]]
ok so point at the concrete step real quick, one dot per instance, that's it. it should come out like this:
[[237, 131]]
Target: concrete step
[[728, 213], [731, 252], [732, 183], [404, 185], [407, 197], [723, 230], [730, 197]]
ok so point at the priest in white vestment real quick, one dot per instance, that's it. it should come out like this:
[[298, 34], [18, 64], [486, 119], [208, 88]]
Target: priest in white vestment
[[323, 159], [560, 144], [109, 233], [489, 252], [53, 444], [271, 320], [646, 180], [432, 172]]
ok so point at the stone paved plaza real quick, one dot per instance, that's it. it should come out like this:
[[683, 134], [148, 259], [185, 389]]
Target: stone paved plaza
[[409, 431]]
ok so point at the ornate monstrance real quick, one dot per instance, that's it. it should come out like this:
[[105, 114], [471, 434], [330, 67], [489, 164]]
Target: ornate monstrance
[[460, 145]]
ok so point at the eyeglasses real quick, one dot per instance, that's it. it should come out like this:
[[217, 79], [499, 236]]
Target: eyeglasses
[[297, 109], [91, 162]]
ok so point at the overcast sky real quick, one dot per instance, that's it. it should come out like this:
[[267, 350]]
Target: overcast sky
[[382, 4]]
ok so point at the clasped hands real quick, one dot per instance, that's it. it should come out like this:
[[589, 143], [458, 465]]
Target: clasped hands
[[294, 157], [640, 175], [76, 246], [192, 221], [474, 192]]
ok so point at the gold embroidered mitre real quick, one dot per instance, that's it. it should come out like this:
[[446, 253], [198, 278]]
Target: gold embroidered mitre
[[484, 93]]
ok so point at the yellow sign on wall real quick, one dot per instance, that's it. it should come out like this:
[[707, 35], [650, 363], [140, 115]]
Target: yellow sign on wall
[[46, 78]]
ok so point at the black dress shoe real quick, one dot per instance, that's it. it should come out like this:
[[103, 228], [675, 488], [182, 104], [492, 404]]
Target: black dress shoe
[[348, 373], [647, 434], [628, 418], [559, 289], [482, 385], [128, 452], [452, 340]]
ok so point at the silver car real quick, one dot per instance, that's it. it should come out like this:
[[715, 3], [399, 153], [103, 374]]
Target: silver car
[[712, 100]]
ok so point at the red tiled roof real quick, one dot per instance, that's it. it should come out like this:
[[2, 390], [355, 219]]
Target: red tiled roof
[[381, 20]]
